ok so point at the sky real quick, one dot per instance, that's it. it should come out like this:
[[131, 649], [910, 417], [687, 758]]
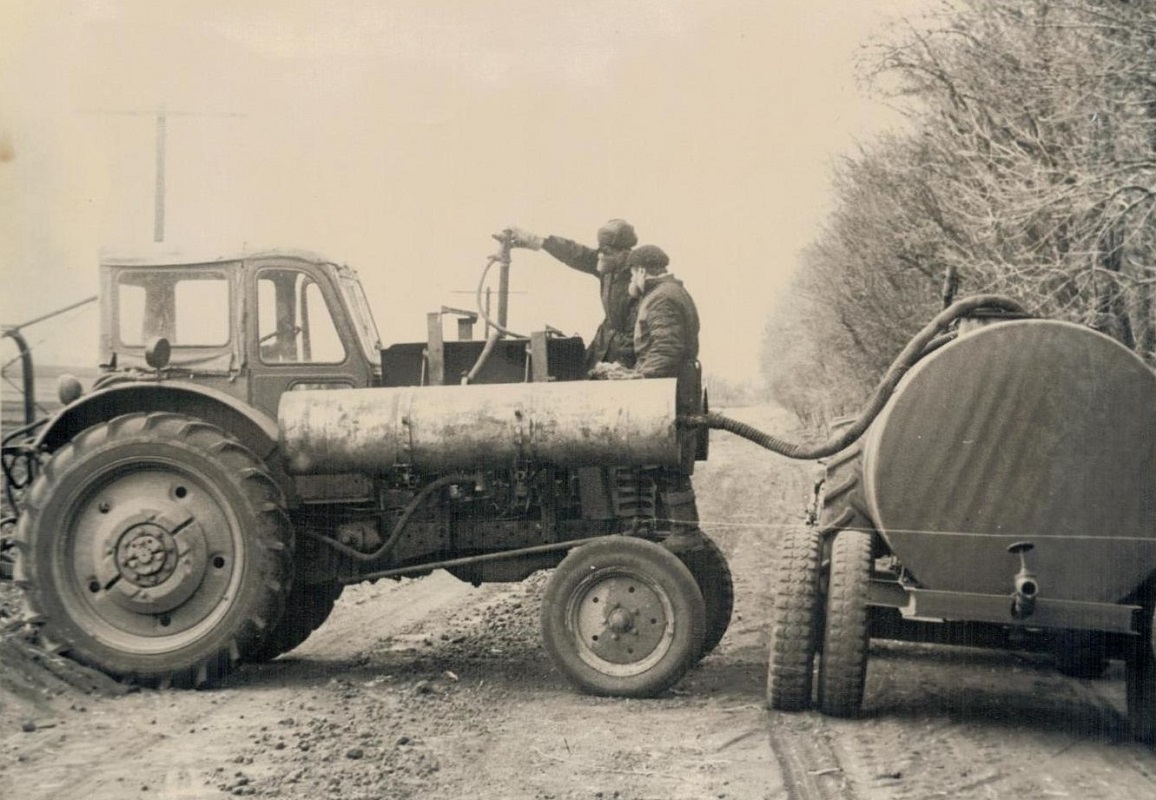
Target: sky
[[397, 135]]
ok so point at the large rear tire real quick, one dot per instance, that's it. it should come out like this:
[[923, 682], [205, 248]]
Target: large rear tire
[[306, 608], [712, 573], [155, 547], [794, 621], [622, 617], [846, 633]]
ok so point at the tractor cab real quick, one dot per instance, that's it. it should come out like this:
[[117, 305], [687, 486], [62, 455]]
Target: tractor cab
[[252, 326]]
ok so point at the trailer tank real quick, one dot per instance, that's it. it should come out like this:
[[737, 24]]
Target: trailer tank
[[1031, 431]]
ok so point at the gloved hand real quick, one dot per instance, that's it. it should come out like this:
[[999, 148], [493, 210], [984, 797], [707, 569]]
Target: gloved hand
[[523, 238], [612, 371]]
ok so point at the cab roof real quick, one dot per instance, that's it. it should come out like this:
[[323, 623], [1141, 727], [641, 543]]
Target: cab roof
[[198, 258]]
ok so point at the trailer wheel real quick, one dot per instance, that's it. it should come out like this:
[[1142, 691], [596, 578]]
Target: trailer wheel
[[155, 547], [306, 608], [794, 621], [622, 617], [843, 662], [1140, 681], [712, 573]]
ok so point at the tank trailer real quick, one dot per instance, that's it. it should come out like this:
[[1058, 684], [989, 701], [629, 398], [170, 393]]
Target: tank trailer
[[1000, 491]]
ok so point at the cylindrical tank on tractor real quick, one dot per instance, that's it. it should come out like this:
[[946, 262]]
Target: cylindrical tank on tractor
[[470, 427]]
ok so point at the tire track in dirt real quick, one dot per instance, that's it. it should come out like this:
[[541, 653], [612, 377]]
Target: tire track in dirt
[[953, 722], [811, 769], [761, 496]]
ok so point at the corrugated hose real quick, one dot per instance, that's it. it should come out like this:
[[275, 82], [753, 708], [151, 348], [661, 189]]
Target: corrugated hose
[[927, 339]]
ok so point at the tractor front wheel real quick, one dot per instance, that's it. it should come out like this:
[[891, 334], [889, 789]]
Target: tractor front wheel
[[711, 572], [155, 547], [623, 617]]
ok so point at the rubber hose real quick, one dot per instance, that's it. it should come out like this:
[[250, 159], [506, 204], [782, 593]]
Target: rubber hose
[[915, 350], [388, 545], [496, 331]]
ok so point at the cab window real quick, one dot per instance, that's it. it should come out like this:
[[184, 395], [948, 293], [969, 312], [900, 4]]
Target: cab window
[[189, 309], [294, 324]]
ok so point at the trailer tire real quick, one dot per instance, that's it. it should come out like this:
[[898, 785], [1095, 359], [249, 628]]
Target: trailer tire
[[1140, 683], [794, 621], [155, 547], [713, 575], [842, 502], [846, 632], [306, 609], [622, 617]]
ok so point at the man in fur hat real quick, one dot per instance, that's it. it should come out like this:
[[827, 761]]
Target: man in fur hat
[[613, 340]]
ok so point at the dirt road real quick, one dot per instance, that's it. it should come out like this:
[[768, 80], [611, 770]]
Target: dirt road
[[431, 688]]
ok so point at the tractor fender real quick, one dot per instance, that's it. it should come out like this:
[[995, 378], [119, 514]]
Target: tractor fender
[[255, 429]]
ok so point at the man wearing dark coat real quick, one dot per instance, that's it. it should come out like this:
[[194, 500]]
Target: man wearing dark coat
[[614, 340], [666, 323], [666, 327], [666, 332]]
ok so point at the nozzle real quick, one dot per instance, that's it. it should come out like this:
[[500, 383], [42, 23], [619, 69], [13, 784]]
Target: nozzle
[[1026, 586]]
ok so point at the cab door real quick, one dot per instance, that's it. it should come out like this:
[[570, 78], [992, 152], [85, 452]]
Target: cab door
[[299, 335]]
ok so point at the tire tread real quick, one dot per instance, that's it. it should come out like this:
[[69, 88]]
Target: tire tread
[[271, 537]]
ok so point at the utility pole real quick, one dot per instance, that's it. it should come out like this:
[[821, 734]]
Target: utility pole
[[161, 114], [159, 191]]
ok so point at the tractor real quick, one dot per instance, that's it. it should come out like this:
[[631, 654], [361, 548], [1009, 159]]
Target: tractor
[[248, 449]]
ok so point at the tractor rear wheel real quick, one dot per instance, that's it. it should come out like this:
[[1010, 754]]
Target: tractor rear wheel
[[623, 617], [711, 572], [306, 607], [155, 547], [794, 621], [846, 634]]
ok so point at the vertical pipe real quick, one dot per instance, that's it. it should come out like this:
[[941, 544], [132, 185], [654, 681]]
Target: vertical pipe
[[504, 284], [435, 349], [159, 195]]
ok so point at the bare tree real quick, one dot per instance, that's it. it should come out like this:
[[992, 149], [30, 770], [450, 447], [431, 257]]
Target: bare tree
[[1029, 168]]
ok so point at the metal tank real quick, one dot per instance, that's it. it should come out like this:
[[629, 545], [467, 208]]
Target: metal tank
[[440, 428], [1032, 431]]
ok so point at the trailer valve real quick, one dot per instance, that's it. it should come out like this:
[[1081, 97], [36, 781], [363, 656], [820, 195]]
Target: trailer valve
[[1027, 587]]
